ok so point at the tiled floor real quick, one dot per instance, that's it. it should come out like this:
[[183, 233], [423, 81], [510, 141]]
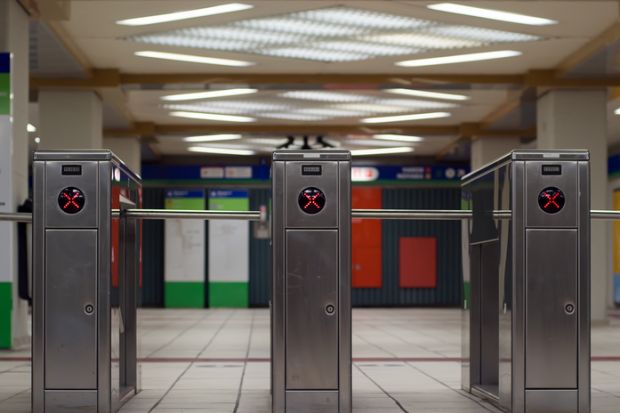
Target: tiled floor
[[216, 361]]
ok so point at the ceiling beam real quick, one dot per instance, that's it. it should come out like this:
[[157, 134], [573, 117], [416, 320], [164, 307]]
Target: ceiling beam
[[113, 78], [147, 129]]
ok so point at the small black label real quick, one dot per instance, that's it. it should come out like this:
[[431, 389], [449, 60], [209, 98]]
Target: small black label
[[72, 169], [311, 170], [552, 169]]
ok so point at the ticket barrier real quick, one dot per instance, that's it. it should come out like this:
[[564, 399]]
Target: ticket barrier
[[84, 293], [526, 329], [311, 298]]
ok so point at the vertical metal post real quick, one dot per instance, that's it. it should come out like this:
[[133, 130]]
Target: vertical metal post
[[311, 300]]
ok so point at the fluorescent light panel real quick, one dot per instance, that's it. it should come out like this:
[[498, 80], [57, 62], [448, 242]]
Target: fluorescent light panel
[[427, 94], [193, 58], [462, 58], [398, 138], [381, 151], [212, 138], [212, 116], [492, 14], [220, 151], [184, 15], [333, 34], [325, 96], [208, 94], [403, 118]]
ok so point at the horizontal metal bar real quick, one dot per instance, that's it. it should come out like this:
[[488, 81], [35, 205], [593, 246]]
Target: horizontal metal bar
[[16, 216], [605, 215], [404, 214], [191, 214], [415, 214]]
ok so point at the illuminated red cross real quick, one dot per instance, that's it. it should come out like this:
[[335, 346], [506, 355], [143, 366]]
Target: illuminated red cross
[[551, 200], [312, 200], [71, 200]]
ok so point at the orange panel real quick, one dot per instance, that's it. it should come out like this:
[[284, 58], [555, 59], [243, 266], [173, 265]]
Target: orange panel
[[366, 240], [418, 262]]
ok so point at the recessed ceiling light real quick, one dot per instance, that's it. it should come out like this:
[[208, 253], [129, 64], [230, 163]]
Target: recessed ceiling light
[[381, 151], [221, 151], [193, 58], [212, 116], [293, 116], [186, 14], [617, 111], [37, 140], [212, 138], [209, 94], [461, 58], [399, 138], [31, 128], [492, 14], [402, 118], [427, 94]]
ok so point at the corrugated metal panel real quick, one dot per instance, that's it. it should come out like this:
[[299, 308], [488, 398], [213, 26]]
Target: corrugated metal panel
[[260, 255], [153, 251], [448, 234]]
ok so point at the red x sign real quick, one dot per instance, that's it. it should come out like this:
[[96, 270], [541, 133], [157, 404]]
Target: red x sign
[[551, 200]]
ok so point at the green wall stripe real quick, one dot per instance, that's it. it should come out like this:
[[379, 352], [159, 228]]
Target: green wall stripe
[[181, 294], [228, 294], [5, 94], [467, 293], [6, 314]]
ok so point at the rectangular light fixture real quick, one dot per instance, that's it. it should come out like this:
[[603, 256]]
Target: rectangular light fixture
[[184, 15], [427, 94], [381, 151], [617, 111], [398, 138], [31, 128], [403, 118], [209, 94], [212, 116], [212, 138], [220, 151], [461, 58], [193, 58], [491, 14]]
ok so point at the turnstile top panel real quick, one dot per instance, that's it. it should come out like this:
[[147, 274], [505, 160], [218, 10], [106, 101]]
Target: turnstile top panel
[[86, 155], [529, 155], [312, 155]]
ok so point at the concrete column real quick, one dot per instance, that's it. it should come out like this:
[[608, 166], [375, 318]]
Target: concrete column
[[128, 149], [70, 120], [570, 119], [14, 39], [487, 149]]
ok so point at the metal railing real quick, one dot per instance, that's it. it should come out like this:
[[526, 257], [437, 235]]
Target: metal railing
[[404, 214]]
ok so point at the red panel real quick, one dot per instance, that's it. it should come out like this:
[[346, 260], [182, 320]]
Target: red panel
[[366, 240], [418, 262]]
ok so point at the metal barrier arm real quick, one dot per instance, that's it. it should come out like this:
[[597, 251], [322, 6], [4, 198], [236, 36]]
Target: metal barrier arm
[[16, 216], [405, 214]]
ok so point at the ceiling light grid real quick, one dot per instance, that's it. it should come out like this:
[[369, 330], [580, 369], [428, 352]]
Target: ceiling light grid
[[334, 34]]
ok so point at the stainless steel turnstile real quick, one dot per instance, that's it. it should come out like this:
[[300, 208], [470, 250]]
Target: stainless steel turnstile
[[85, 283], [527, 319], [311, 300]]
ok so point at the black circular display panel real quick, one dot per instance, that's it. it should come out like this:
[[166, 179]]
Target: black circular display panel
[[71, 200], [551, 200], [311, 200]]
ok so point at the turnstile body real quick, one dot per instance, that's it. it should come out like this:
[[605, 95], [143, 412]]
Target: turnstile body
[[526, 337], [311, 299], [85, 283]]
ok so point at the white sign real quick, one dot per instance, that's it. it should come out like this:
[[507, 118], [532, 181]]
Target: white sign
[[364, 174], [185, 251], [238, 172], [211, 172]]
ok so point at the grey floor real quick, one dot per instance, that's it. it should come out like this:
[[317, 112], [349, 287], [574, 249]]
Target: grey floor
[[406, 360]]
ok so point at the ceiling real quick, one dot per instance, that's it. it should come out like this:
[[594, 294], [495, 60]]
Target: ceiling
[[332, 50]]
